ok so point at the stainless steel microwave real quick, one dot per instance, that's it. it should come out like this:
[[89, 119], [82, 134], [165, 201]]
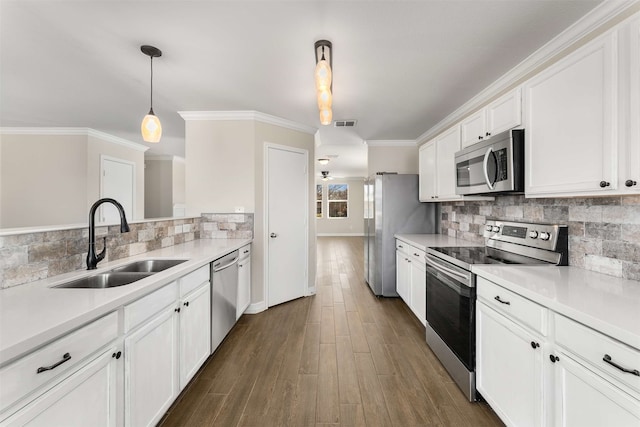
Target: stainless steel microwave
[[492, 166]]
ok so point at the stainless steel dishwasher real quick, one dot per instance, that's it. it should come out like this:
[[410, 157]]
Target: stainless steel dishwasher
[[224, 293]]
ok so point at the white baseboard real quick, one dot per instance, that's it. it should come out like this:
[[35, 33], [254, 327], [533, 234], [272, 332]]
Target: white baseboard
[[256, 307], [339, 234]]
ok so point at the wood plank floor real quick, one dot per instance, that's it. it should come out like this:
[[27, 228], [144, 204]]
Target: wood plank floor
[[342, 358]]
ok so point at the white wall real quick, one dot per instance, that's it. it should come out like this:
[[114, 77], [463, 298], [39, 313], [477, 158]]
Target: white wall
[[401, 159], [225, 170], [44, 180], [179, 187], [354, 224], [220, 166]]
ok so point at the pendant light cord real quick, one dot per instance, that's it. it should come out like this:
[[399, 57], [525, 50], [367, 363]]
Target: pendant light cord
[[151, 84]]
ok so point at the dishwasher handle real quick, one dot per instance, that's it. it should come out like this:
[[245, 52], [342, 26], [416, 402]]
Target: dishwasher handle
[[216, 268]]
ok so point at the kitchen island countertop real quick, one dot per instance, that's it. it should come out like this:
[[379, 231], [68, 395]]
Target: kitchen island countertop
[[34, 314]]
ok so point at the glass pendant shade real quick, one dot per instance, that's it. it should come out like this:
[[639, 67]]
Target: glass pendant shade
[[325, 99], [323, 75], [326, 115], [151, 128]]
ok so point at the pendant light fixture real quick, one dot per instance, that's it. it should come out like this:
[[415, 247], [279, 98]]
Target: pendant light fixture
[[324, 80], [151, 127]]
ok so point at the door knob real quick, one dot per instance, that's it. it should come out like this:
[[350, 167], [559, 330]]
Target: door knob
[[273, 235]]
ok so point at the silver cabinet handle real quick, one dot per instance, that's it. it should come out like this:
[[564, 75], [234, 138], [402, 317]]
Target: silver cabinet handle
[[273, 235]]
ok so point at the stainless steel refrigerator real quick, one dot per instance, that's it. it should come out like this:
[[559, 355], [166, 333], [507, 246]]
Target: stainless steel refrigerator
[[392, 207]]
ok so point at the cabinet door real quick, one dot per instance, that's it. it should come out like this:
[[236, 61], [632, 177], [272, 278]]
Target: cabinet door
[[571, 121], [195, 332], [86, 398], [509, 372], [473, 128], [630, 150], [244, 286], [447, 145], [419, 291], [402, 277], [427, 159], [504, 113], [584, 399], [151, 377]]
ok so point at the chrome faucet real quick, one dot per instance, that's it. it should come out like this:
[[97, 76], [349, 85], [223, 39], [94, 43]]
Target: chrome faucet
[[92, 258]]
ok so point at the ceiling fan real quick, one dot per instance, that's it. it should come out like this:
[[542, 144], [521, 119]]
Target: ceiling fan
[[325, 176]]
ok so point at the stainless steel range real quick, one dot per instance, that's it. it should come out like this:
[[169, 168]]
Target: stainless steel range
[[451, 292]]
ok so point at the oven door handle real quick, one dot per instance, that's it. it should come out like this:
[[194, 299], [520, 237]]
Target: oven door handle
[[448, 271], [485, 169]]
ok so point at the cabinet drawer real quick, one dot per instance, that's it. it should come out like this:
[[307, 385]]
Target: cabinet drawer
[[21, 377], [416, 255], [402, 246], [194, 279], [142, 309], [526, 311], [594, 347], [245, 251]]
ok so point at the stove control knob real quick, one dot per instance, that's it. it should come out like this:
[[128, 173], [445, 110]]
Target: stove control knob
[[495, 228], [545, 236], [533, 234], [488, 228]]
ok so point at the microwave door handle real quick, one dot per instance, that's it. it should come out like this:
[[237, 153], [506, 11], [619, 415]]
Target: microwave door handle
[[485, 169]]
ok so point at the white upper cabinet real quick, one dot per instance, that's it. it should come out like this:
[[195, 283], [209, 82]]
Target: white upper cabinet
[[502, 114], [437, 167], [630, 142], [571, 120], [427, 161]]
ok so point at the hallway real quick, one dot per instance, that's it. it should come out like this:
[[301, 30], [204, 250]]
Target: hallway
[[342, 357]]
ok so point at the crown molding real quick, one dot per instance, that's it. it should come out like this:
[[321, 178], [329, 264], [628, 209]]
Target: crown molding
[[165, 157], [116, 140], [247, 115], [391, 143], [73, 131], [589, 23]]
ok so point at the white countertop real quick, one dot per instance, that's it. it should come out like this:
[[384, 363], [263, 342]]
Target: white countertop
[[423, 241], [608, 304], [34, 314]]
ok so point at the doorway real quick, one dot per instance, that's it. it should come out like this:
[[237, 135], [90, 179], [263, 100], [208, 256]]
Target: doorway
[[286, 223], [117, 181]]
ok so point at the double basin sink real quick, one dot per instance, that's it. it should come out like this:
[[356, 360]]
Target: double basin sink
[[123, 275]]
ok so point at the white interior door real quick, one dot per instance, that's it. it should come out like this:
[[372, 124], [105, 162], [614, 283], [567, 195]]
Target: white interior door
[[118, 182], [287, 206]]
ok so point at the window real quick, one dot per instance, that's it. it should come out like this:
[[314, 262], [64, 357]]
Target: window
[[338, 198], [318, 201]]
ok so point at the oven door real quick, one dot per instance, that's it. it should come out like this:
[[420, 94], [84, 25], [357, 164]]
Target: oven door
[[451, 308]]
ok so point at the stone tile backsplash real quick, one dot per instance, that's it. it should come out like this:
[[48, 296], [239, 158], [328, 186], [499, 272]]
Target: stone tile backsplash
[[25, 258], [226, 226], [604, 232]]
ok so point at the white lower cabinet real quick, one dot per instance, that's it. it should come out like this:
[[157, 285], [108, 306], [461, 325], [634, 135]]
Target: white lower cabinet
[[195, 332], [244, 281], [572, 376], [403, 271], [585, 399], [88, 397], [509, 368], [151, 363], [411, 278]]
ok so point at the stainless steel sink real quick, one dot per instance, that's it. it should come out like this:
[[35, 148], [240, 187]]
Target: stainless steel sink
[[149, 265], [105, 280]]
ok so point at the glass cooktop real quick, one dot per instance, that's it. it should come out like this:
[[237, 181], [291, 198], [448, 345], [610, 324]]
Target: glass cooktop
[[470, 255]]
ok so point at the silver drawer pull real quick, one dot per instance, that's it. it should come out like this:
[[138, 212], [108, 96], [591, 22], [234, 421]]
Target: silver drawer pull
[[607, 359], [65, 358], [497, 298]]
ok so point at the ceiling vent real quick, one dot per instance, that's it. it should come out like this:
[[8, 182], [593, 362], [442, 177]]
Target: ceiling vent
[[345, 123]]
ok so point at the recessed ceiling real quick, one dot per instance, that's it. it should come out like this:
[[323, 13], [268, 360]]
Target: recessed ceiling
[[399, 66]]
